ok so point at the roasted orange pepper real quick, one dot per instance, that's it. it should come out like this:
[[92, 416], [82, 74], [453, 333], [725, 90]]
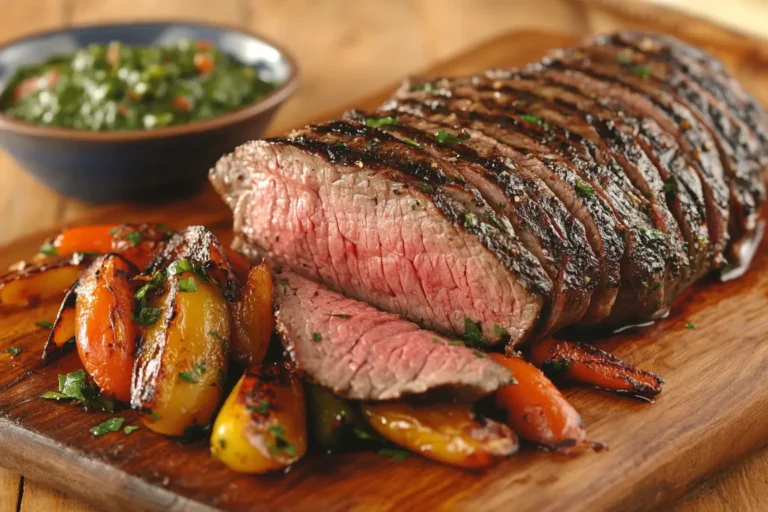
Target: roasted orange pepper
[[40, 281], [253, 317], [105, 332], [536, 409]]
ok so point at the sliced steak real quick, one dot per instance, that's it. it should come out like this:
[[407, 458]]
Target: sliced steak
[[620, 138], [740, 146], [362, 353], [643, 271], [355, 216], [675, 120], [541, 221], [665, 152]]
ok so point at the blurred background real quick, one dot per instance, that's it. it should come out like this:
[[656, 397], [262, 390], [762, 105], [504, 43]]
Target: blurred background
[[347, 50]]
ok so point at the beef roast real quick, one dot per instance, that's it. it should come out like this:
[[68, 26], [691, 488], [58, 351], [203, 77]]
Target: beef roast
[[362, 353], [590, 188]]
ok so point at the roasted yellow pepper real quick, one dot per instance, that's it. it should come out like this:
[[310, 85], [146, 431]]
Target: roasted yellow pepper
[[181, 368], [445, 432], [262, 426]]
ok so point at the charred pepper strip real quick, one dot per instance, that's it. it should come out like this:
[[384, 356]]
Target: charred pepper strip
[[586, 364]]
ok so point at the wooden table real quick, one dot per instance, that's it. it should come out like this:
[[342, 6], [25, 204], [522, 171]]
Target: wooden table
[[347, 49]]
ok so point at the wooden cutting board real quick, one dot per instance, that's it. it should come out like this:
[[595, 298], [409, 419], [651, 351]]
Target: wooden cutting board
[[713, 410]]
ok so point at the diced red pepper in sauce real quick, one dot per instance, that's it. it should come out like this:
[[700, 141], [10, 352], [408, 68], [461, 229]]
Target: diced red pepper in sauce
[[203, 63]]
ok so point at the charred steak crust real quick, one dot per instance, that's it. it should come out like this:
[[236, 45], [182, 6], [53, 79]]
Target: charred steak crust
[[592, 187]]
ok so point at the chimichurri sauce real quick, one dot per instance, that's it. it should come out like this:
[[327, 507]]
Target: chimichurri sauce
[[121, 87]]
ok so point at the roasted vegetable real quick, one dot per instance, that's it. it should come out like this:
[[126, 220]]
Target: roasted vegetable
[[63, 330], [181, 368], [586, 364], [262, 426], [40, 281], [536, 409], [105, 331], [332, 419], [253, 317], [449, 433], [135, 242]]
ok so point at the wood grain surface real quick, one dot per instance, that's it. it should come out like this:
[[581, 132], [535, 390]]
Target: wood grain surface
[[409, 35]]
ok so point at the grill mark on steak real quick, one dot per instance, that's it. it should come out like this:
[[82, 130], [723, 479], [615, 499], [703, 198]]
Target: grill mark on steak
[[644, 266], [362, 353], [356, 229], [604, 232], [677, 121], [688, 202], [524, 200]]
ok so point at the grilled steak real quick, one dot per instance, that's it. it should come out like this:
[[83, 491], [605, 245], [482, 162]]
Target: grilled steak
[[362, 353], [590, 188]]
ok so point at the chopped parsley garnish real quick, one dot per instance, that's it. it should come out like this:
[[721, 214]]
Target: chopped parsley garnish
[[187, 285], [44, 324], [624, 57], [188, 377], [14, 351], [554, 368], [469, 219], [473, 332], [641, 72], [340, 315], [396, 454], [426, 87], [690, 325], [134, 238], [199, 368], [378, 122], [445, 137], [164, 228], [129, 429], [147, 316], [74, 386], [456, 343], [316, 336], [479, 355], [500, 330], [262, 407], [670, 188], [223, 341], [48, 249], [114, 231], [651, 234], [283, 280], [411, 142], [427, 189], [281, 445], [155, 416], [530, 118], [435, 341], [182, 265], [583, 189], [111, 425]]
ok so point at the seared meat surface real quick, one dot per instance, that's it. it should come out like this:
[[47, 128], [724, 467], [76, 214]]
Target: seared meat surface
[[590, 188]]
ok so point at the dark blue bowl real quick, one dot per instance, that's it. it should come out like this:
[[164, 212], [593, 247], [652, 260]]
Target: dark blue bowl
[[104, 167]]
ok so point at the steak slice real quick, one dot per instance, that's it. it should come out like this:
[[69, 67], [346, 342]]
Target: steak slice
[[350, 211], [647, 290], [541, 221], [675, 120], [740, 146], [613, 134], [362, 353], [644, 265], [682, 183]]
